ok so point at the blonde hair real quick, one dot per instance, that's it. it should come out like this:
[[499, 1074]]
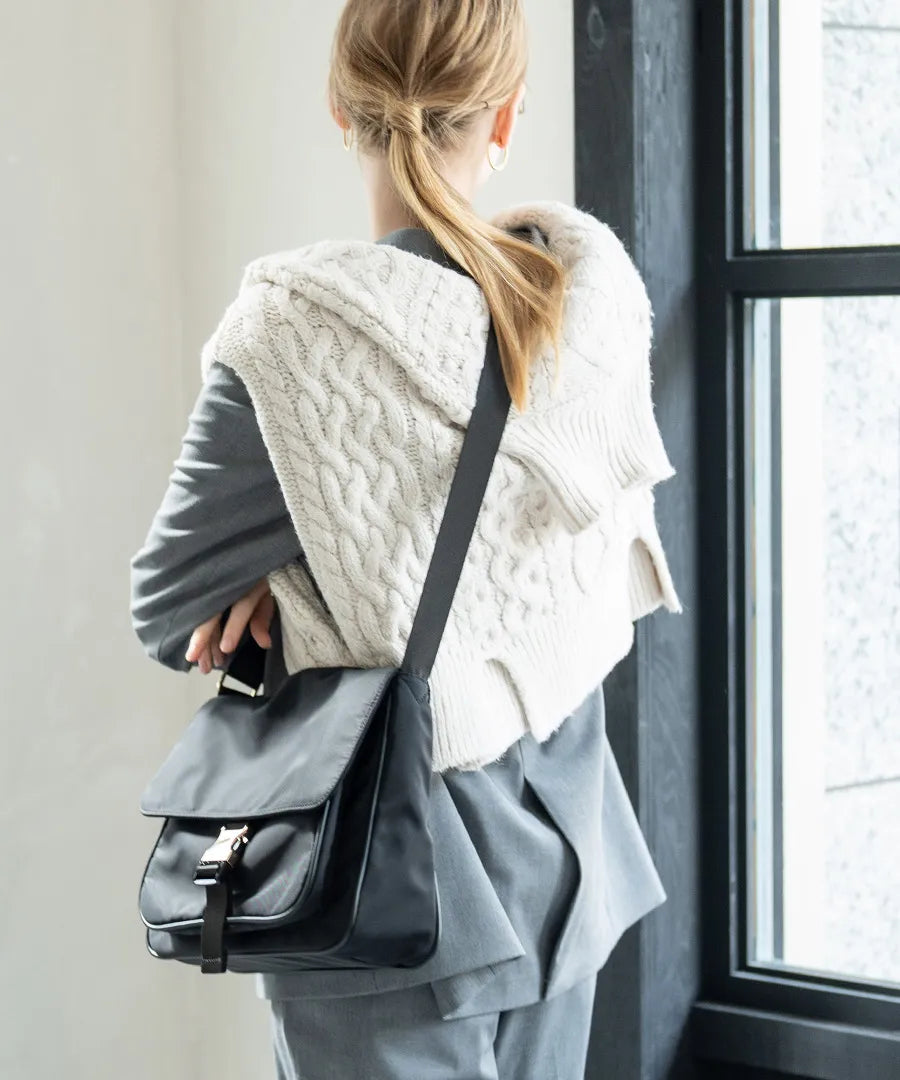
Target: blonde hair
[[410, 76]]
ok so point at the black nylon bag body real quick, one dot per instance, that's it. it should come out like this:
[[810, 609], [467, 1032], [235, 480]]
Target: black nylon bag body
[[296, 828]]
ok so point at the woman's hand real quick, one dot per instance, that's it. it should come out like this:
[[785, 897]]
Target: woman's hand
[[209, 643]]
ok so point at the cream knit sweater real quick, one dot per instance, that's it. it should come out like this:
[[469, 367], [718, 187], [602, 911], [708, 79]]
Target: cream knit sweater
[[362, 361]]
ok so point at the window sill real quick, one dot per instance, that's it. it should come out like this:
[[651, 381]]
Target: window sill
[[815, 1049]]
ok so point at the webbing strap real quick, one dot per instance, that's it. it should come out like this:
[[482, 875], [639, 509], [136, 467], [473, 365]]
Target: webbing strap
[[473, 470], [212, 933]]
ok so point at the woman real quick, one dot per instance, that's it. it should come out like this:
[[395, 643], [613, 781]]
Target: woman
[[304, 506]]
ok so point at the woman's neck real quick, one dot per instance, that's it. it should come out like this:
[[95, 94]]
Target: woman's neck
[[387, 211]]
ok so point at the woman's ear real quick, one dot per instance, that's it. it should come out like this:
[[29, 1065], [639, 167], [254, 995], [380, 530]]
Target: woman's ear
[[336, 115], [506, 118]]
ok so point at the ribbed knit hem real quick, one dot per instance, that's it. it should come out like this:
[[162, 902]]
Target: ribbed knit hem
[[555, 668], [637, 454], [544, 674], [561, 444], [649, 578], [540, 678], [465, 686]]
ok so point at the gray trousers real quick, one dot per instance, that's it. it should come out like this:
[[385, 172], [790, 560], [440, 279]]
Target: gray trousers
[[400, 1035]]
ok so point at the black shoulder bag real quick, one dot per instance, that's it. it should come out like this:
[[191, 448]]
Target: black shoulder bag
[[296, 832]]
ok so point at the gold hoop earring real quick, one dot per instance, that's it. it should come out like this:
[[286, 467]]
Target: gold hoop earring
[[347, 146], [505, 159]]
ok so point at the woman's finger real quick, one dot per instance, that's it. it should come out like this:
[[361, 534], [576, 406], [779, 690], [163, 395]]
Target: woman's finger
[[219, 658], [201, 638], [240, 616], [236, 624], [205, 662], [261, 619]]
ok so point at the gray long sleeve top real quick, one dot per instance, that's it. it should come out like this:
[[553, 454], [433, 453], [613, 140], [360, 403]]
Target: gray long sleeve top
[[222, 524]]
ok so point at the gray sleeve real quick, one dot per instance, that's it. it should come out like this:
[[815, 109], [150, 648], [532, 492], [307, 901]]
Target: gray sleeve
[[222, 524]]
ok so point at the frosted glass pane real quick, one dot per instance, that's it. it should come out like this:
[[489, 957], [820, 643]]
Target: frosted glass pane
[[824, 626], [822, 141]]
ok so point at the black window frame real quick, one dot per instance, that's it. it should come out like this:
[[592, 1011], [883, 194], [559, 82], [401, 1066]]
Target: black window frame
[[758, 1015]]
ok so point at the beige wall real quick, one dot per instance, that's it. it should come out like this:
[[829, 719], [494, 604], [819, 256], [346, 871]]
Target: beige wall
[[149, 150]]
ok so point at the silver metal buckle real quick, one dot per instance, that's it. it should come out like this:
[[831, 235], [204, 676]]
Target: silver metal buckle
[[225, 853]]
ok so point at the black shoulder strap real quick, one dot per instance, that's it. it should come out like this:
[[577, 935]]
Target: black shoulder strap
[[476, 460]]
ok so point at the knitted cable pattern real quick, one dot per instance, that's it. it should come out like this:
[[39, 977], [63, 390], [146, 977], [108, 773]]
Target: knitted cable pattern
[[362, 361]]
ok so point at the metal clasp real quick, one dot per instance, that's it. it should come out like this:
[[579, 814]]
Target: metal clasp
[[247, 691], [224, 854]]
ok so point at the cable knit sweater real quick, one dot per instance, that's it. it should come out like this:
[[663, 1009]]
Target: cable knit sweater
[[362, 362]]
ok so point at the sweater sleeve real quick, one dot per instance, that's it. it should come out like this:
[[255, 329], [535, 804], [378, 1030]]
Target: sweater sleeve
[[637, 452], [222, 524], [597, 436]]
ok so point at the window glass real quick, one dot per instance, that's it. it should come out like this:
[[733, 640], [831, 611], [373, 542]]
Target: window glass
[[823, 579], [821, 134]]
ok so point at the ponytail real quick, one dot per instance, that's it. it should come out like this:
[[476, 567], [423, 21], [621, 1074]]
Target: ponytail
[[412, 116]]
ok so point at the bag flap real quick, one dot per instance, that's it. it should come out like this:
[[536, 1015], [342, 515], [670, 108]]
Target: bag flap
[[243, 757]]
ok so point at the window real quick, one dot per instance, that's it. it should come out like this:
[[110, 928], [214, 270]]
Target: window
[[799, 288]]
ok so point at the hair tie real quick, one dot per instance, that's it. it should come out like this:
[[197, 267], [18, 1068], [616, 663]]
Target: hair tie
[[406, 116]]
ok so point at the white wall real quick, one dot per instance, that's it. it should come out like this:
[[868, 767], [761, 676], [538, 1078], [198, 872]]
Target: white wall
[[147, 151], [91, 351], [264, 166]]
